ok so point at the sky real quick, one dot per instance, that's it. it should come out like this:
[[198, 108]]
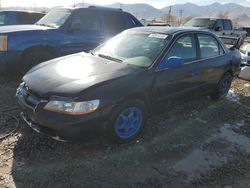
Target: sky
[[155, 3]]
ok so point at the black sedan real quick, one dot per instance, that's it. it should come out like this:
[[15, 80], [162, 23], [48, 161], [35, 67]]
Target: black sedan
[[113, 89]]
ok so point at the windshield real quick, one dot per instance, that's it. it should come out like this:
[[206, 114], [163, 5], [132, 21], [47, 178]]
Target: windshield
[[55, 18], [139, 49], [206, 23]]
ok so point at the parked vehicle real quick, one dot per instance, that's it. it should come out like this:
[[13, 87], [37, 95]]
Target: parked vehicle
[[245, 53], [216, 25], [62, 31], [13, 17], [113, 90], [245, 73], [247, 29]]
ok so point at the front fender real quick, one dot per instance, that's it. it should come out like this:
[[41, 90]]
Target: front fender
[[20, 41]]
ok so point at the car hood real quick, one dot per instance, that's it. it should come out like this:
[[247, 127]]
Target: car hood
[[19, 28], [70, 75]]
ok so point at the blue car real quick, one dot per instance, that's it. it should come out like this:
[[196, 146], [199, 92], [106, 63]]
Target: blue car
[[13, 17], [61, 32]]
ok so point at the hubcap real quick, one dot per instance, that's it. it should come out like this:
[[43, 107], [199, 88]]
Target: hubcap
[[128, 123]]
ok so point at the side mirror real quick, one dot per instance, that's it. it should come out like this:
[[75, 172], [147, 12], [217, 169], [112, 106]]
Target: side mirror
[[75, 26], [171, 62], [218, 28]]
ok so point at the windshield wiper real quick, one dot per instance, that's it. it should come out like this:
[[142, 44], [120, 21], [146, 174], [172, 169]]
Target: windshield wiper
[[110, 58]]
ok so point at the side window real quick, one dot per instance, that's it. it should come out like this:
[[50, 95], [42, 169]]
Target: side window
[[87, 21], [113, 22], [219, 24], [185, 48], [130, 21], [2, 19], [227, 25], [209, 46], [36, 17], [24, 18]]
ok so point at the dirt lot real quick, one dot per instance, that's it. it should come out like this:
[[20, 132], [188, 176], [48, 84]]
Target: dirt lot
[[200, 143]]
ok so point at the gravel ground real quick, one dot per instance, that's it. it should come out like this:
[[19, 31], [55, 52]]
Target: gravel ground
[[28, 159]]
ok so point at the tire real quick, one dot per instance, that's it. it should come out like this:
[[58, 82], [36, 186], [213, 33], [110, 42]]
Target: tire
[[34, 58], [127, 122], [223, 87]]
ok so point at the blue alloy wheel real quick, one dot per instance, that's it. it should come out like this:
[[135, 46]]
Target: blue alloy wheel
[[224, 86], [129, 123]]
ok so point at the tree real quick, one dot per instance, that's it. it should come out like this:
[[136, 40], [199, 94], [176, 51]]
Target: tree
[[223, 15], [186, 19], [169, 18]]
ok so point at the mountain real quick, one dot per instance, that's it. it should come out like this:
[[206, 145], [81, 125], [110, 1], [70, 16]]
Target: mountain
[[236, 11]]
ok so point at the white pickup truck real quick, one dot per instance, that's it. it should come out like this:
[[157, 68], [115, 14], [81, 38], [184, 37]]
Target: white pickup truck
[[216, 25]]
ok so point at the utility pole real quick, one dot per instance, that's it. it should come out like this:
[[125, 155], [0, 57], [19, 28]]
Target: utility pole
[[169, 14], [181, 13]]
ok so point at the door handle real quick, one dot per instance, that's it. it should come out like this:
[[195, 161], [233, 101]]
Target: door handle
[[196, 73]]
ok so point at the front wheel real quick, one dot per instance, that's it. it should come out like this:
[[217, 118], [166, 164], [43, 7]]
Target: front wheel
[[127, 121], [223, 87]]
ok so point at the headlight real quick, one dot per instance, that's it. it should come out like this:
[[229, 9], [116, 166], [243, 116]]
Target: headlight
[[3, 43], [72, 108]]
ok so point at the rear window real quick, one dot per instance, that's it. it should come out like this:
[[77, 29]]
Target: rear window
[[28, 18], [227, 25]]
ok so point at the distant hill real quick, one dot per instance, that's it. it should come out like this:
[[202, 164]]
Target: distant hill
[[142, 10], [189, 9]]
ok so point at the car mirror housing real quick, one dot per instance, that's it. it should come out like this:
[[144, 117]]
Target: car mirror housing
[[171, 62]]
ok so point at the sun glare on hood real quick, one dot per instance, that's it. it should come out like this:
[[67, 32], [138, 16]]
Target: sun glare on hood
[[76, 67]]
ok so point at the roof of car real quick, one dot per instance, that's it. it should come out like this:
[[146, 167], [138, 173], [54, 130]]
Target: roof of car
[[24, 11], [91, 7], [165, 30]]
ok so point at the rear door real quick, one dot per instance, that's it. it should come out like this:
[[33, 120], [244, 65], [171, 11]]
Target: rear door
[[183, 80], [213, 59], [84, 33]]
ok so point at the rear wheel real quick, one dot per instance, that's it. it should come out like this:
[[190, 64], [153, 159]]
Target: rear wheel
[[127, 121], [223, 87]]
